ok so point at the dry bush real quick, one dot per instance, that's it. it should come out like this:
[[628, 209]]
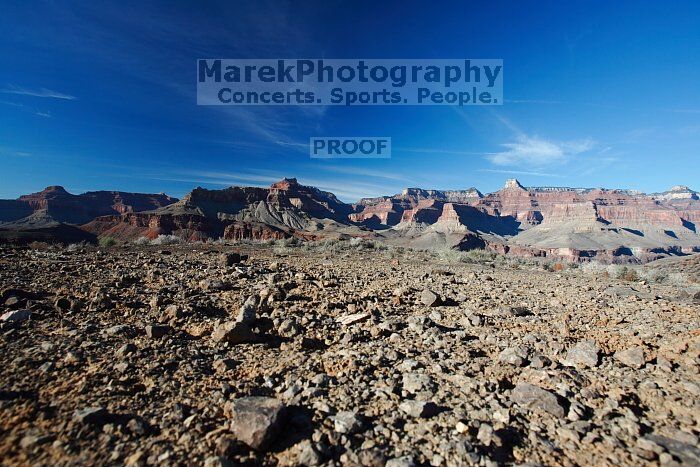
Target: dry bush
[[167, 240], [106, 242]]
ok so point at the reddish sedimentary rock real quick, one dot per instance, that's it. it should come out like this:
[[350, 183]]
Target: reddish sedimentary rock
[[56, 203], [427, 211], [574, 224], [389, 210], [285, 209], [254, 231]]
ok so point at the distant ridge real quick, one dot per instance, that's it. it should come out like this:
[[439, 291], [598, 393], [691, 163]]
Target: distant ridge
[[574, 224]]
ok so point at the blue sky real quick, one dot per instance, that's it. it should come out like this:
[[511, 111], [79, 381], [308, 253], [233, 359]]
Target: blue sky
[[102, 95]]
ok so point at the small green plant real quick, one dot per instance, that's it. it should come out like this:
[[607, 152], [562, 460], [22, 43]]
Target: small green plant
[[106, 242]]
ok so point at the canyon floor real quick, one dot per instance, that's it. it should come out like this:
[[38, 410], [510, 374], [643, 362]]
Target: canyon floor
[[343, 354]]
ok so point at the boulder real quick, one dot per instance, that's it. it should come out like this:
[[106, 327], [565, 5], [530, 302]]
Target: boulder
[[534, 398], [584, 354], [255, 421]]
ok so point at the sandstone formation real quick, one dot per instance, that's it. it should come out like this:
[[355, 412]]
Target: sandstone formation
[[283, 210], [572, 224], [57, 204], [53, 213]]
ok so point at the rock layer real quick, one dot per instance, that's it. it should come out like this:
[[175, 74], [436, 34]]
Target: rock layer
[[572, 224]]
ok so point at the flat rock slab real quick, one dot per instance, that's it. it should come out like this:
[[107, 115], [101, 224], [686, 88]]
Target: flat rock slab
[[255, 421], [233, 332], [632, 357], [419, 409], [16, 316], [429, 298], [347, 422], [91, 415], [584, 354], [531, 397], [349, 320]]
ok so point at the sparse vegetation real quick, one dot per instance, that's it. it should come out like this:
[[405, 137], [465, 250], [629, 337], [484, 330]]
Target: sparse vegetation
[[167, 240], [142, 241], [106, 242], [452, 311]]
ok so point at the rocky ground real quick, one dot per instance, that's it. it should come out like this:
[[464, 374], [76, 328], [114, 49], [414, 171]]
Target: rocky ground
[[191, 355]]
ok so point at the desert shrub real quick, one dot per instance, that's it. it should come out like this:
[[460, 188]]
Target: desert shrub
[[106, 242], [289, 242], [626, 274], [482, 256], [167, 240], [142, 241], [449, 255], [330, 245], [655, 276], [558, 267], [286, 245], [363, 244], [355, 242]]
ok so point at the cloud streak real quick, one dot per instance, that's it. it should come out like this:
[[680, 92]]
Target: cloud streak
[[361, 172], [537, 152], [520, 172], [40, 92]]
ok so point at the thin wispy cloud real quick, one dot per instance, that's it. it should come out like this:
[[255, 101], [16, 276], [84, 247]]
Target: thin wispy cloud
[[227, 178], [346, 190], [175, 35], [533, 101], [537, 152], [437, 151], [13, 153], [40, 92], [454, 152], [24, 108], [194, 178], [507, 123], [301, 147], [12, 104], [520, 172], [386, 175]]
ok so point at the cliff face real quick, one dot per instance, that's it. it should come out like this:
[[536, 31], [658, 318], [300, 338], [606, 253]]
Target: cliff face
[[534, 206], [567, 223], [54, 203], [283, 210], [574, 224], [391, 210]]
